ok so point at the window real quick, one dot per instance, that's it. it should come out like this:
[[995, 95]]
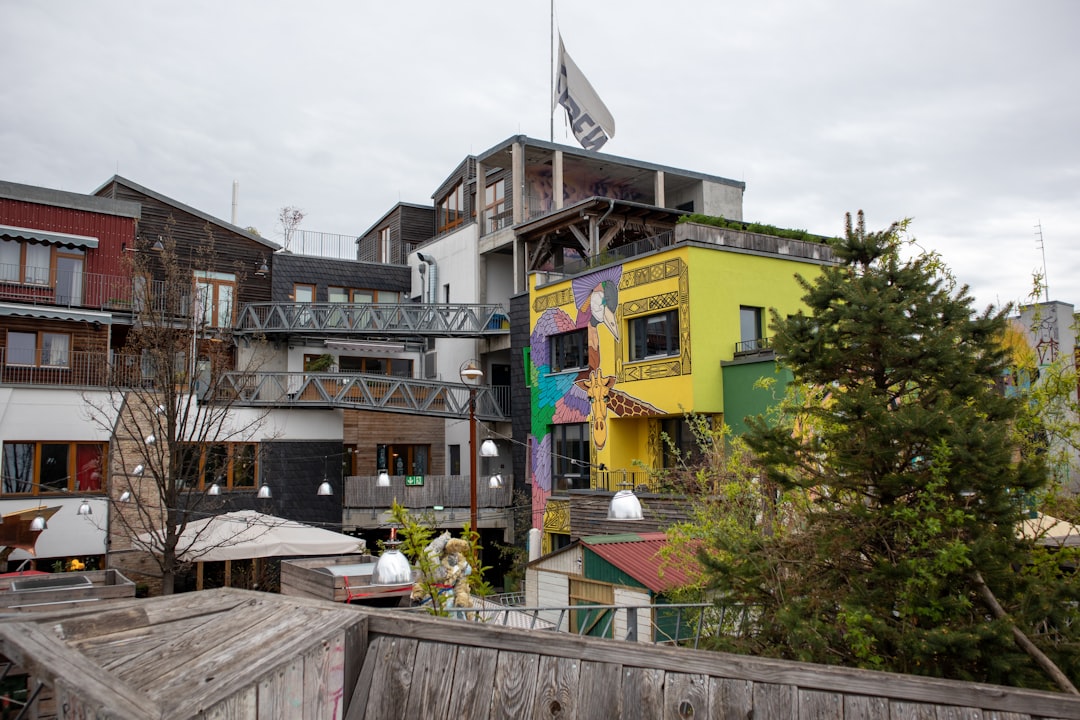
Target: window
[[750, 328], [215, 294], [570, 456], [403, 459], [233, 466], [69, 277], [337, 295], [10, 261], [44, 349], [384, 245], [29, 263], [679, 443], [569, 351], [451, 210], [494, 206], [34, 468], [304, 293], [398, 367], [654, 335], [455, 459], [37, 264]]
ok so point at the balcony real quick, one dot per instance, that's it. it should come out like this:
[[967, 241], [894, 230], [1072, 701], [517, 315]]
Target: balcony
[[374, 318], [92, 369], [447, 491], [753, 346], [90, 291]]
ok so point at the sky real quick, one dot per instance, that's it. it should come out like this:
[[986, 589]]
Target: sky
[[962, 115]]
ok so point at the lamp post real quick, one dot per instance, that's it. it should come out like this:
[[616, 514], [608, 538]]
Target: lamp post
[[471, 375]]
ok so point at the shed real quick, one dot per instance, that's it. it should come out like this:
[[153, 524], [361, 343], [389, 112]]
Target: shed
[[625, 569]]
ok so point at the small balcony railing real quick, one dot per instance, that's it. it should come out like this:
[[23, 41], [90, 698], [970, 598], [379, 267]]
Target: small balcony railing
[[426, 491], [749, 347]]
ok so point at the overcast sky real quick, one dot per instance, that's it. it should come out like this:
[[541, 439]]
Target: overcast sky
[[963, 115]]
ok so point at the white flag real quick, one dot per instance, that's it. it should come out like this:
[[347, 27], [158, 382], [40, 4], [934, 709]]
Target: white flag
[[589, 117]]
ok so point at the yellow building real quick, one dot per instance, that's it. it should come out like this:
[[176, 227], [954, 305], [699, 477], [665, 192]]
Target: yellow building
[[621, 352]]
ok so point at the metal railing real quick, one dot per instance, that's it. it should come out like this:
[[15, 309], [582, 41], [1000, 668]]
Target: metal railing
[[756, 345], [670, 624], [448, 491], [358, 391], [374, 318], [73, 367], [322, 244], [91, 291]]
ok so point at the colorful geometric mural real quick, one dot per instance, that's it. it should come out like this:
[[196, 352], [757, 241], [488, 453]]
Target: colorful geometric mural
[[575, 397]]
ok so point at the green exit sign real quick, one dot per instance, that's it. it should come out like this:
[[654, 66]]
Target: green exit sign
[[414, 479]]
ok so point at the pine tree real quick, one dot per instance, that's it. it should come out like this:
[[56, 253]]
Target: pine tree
[[895, 428]]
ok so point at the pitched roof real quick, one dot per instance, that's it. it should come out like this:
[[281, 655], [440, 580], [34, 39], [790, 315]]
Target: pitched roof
[[120, 180], [638, 555]]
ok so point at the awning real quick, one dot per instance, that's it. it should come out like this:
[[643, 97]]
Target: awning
[[58, 238], [55, 313]]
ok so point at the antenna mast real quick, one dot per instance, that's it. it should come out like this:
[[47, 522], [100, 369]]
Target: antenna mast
[[1042, 247]]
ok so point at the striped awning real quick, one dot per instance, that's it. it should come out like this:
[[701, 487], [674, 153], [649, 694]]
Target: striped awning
[[41, 236]]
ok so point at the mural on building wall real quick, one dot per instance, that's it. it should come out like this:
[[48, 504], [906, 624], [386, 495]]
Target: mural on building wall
[[577, 185], [587, 395]]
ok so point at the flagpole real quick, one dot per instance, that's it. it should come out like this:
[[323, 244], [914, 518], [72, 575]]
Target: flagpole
[[551, 75]]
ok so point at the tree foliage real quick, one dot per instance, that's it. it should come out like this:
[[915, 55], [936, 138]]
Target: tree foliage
[[896, 428], [165, 411]]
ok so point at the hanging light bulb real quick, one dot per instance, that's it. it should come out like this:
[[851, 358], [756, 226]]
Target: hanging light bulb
[[264, 492], [488, 448], [150, 439], [85, 509], [139, 469], [214, 489], [384, 479], [38, 523], [495, 481], [125, 496], [324, 488]]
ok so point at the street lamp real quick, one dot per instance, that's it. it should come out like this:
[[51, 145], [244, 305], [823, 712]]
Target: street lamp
[[471, 375]]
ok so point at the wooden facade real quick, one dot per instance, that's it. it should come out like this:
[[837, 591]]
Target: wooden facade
[[235, 250], [409, 225], [240, 655]]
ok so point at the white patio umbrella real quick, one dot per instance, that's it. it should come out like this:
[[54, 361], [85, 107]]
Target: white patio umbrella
[[1049, 530], [249, 534]]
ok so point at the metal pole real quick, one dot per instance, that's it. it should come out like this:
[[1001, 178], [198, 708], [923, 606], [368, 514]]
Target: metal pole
[[472, 462]]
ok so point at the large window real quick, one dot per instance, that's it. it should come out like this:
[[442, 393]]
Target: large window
[[401, 459], [32, 264], [34, 468], [230, 465], [41, 349], [494, 206], [654, 335], [398, 367], [451, 210], [216, 295], [570, 456], [569, 351]]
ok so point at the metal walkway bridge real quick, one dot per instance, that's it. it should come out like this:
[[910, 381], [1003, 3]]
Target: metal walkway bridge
[[360, 392], [432, 320]]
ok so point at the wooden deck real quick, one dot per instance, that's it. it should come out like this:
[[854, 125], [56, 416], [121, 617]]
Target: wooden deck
[[235, 654]]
